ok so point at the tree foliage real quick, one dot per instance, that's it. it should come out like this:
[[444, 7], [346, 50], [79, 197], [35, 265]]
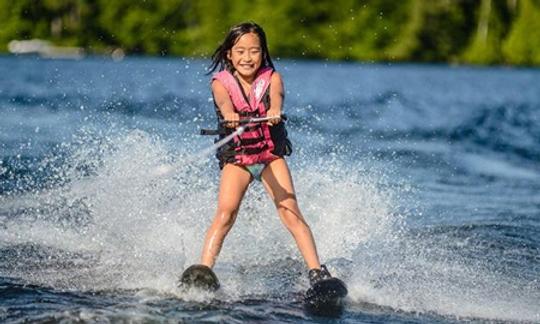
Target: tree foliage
[[479, 32], [523, 43]]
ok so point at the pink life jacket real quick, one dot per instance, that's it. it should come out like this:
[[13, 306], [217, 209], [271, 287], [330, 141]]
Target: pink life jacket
[[255, 145]]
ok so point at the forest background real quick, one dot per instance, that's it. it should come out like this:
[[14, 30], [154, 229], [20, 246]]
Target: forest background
[[454, 31]]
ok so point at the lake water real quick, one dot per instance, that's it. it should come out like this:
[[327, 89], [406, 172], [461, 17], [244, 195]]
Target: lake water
[[421, 184]]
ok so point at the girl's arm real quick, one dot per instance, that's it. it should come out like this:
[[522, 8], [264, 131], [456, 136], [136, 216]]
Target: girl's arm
[[277, 94], [224, 103]]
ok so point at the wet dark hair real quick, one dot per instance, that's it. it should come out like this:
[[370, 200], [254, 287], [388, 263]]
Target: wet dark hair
[[219, 58]]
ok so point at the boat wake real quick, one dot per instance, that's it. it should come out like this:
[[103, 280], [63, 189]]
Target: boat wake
[[105, 222]]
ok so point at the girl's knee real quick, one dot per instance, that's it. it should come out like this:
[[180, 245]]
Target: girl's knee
[[292, 219], [285, 199], [225, 217]]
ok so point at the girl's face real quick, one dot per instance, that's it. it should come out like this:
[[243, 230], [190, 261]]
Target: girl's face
[[246, 55]]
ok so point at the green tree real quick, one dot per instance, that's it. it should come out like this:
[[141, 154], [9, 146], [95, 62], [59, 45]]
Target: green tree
[[142, 26], [433, 30], [13, 26], [485, 46], [67, 22], [486, 31], [522, 46], [407, 40]]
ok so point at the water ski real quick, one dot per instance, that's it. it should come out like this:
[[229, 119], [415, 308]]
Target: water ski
[[326, 297], [199, 276]]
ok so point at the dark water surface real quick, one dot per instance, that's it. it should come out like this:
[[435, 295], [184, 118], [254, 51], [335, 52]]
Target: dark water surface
[[421, 185]]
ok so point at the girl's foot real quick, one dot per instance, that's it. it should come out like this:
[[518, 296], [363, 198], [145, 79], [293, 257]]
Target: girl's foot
[[316, 275]]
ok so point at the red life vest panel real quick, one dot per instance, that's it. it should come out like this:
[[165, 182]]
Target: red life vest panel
[[255, 144]]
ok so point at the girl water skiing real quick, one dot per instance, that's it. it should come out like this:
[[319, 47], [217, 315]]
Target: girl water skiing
[[248, 86]]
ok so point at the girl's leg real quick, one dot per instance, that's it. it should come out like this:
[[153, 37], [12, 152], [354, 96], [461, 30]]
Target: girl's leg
[[234, 182], [278, 183]]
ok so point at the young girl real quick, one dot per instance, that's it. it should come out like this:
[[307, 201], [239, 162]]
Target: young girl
[[247, 86]]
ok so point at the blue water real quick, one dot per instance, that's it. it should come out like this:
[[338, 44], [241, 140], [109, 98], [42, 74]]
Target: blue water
[[421, 184]]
